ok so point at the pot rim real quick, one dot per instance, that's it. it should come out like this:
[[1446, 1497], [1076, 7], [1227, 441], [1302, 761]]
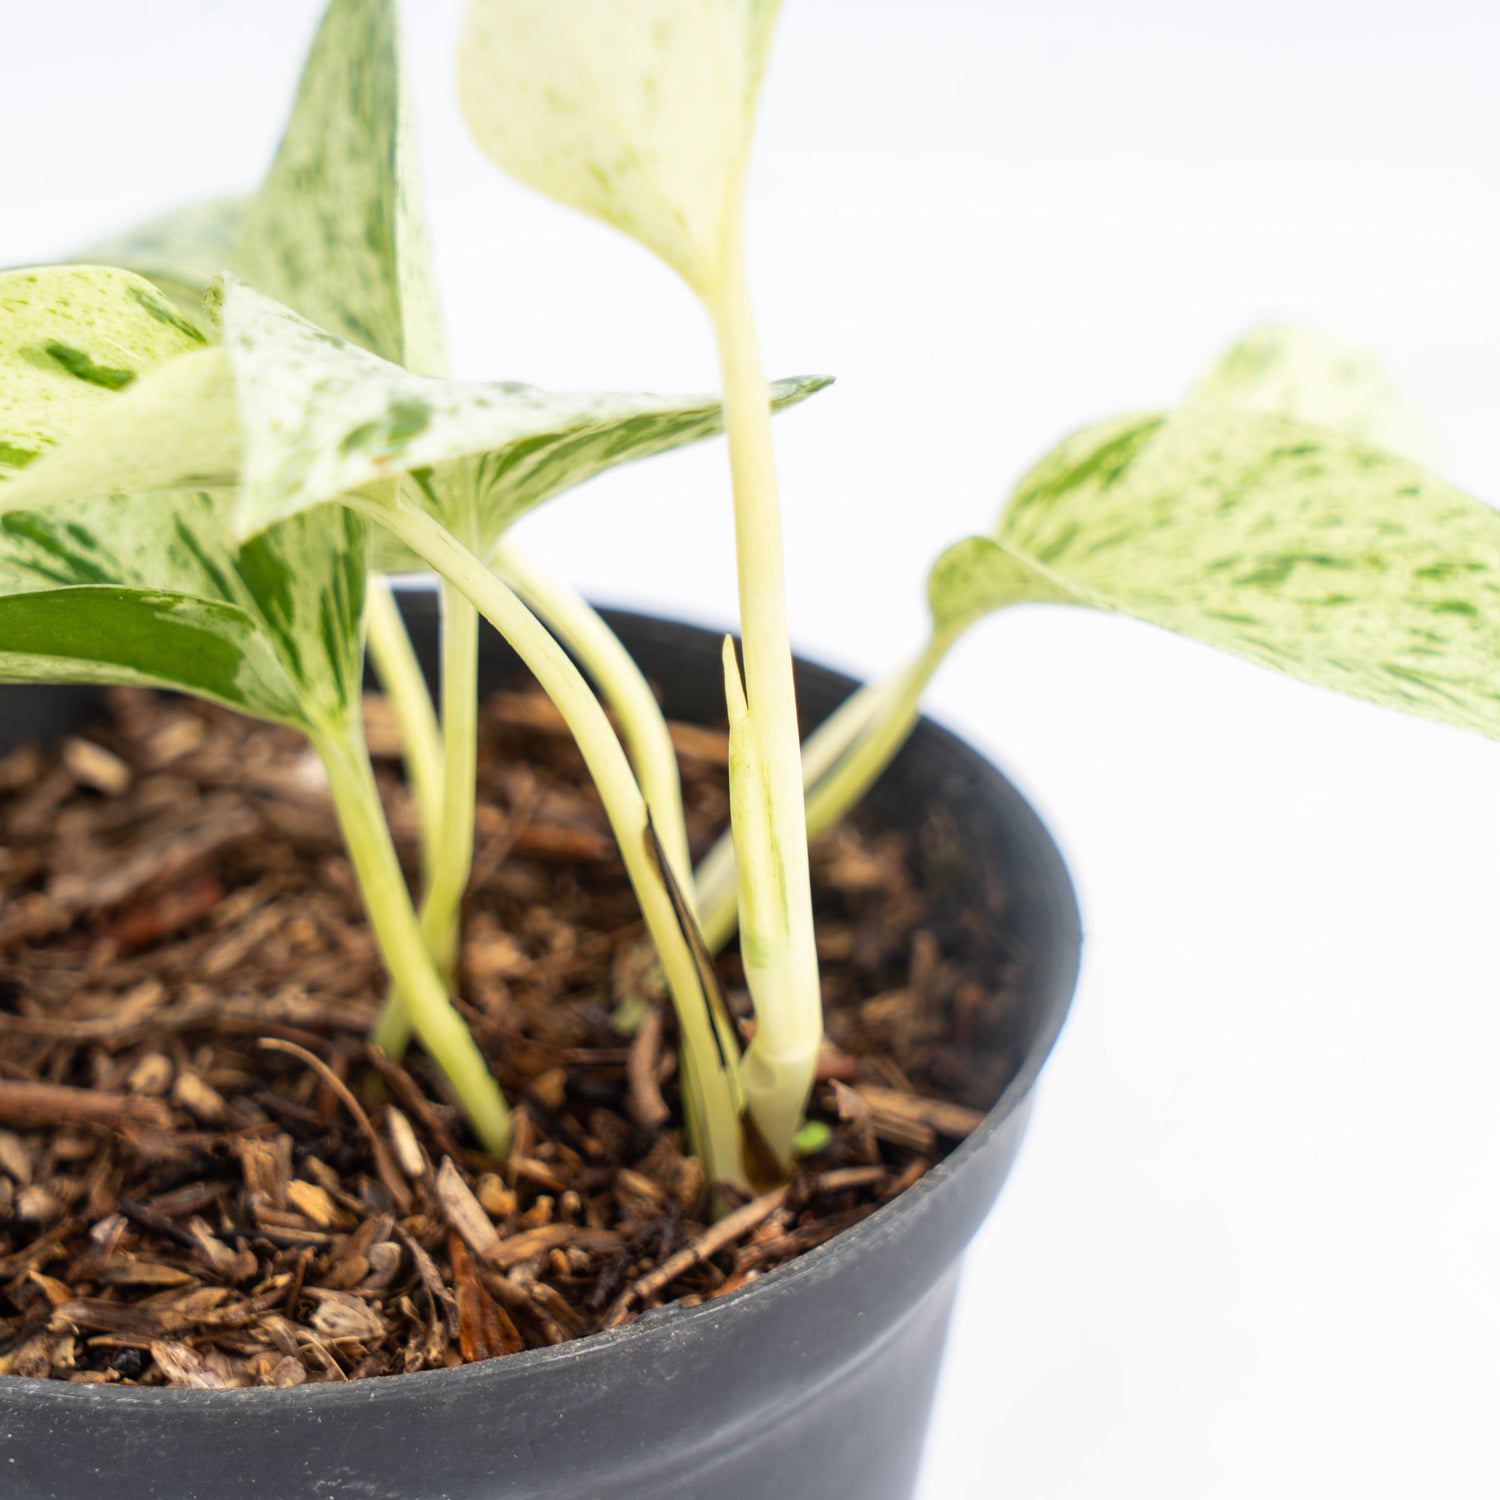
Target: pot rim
[[667, 1322]]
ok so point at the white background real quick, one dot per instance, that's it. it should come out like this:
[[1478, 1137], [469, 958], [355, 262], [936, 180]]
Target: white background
[[1251, 1246]]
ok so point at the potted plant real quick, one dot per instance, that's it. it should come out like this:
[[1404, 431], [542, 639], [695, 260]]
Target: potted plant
[[202, 493]]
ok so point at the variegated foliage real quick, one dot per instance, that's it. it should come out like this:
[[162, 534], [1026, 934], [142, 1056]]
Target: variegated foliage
[[136, 588], [639, 115], [334, 228], [1301, 547]]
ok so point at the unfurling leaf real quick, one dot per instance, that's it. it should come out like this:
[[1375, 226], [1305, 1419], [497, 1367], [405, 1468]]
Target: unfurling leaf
[[1316, 377], [638, 114]]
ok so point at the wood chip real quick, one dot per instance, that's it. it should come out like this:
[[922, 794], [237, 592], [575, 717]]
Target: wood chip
[[891, 1105], [93, 766], [389, 1175], [342, 1315], [463, 1212], [182, 1365], [647, 1107], [200, 1099], [713, 1239], [404, 1144], [34, 1105]]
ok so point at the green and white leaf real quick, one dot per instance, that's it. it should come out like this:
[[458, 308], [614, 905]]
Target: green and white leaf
[[93, 397], [639, 115], [176, 428], [336, 230], [72, 339], [1294, 546], [1317, 377], [180, 252], [323, 418], [143, 638], [288, 605]]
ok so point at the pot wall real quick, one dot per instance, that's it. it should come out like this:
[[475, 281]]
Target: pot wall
[[814, 1381]]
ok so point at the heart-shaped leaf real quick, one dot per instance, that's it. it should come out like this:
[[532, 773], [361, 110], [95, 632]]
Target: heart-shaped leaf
[[323, 418], [1316, 377], [639, 114], [175, 428], [93, 403], [1294, 546]]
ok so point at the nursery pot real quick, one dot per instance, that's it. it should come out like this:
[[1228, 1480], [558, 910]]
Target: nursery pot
[[810, 1383]]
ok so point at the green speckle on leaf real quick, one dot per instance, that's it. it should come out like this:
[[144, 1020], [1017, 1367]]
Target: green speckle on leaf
[[164, 312], [405, 418], [82, 366], [16, 458]]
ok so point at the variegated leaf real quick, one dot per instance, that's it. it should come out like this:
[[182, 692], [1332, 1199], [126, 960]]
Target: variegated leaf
[[323, 418], [143, 638], [1299, 548], [180, 252], [93, 397], [336, 230], [73, 339], [177, 427], [298, 588], [639, 114], [1317, 377]]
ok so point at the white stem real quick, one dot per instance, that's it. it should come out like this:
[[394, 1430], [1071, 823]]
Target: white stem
[[421, 740], [779, 948], [575, 622], [712, 1075]]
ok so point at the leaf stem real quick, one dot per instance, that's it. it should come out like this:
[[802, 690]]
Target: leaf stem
[[443, 900], [399, 938], [453, 852], [421, 740], [841, 760], [575, 622], [711, 1050], [779, 949]]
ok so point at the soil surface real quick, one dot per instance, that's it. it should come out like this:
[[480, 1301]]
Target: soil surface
[[208, 1179]]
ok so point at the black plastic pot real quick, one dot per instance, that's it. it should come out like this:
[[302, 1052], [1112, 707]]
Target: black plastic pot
[[813, 1382]]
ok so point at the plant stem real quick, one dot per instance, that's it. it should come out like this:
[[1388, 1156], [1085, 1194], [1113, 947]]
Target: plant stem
[[779, 949], [443, 901], [453, 856], [714, 881], [399, 938], [570, 617], [421, 740], [710, 1048], [841, 761]]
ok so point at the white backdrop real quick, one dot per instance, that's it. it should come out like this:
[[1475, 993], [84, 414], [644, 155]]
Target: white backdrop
[[1250, 1248]]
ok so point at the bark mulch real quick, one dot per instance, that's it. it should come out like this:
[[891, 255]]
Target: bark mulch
[[208, 1179]]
